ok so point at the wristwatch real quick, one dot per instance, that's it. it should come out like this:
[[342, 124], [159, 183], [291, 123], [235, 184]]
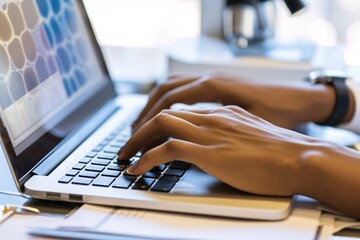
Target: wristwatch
[[342, 98]]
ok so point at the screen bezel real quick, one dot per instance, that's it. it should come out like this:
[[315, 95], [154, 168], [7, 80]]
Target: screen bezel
[[101, 97]]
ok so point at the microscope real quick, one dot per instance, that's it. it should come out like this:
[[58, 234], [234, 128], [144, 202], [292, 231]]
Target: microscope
[[238, 37], [249, 25]]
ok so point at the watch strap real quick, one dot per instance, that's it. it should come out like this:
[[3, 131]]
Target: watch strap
[[342, 100]]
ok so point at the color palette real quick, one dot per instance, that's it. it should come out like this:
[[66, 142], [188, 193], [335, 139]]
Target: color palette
[[41, 41]]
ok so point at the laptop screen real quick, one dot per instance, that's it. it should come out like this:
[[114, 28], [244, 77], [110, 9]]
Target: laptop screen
[[50, 66]]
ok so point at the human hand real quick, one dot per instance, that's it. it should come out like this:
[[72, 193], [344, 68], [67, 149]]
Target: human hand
[[283, 105], [228, 143]]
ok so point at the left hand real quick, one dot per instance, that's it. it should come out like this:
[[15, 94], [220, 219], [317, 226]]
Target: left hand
[[230, 144], [285, 105]]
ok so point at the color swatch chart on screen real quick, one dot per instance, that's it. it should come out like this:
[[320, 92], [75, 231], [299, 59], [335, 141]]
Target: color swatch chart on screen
[[44, 61]]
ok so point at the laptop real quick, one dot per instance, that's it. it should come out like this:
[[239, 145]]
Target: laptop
[[62, 123]]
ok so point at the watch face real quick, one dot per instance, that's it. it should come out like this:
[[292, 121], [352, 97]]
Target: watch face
[[325, 76]]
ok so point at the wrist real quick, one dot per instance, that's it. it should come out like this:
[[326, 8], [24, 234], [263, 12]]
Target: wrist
[[330, 175], [322, 102], [341, 107], [312, 173]]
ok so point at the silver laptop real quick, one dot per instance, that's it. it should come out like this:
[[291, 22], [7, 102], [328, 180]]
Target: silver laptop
[[62, 123]]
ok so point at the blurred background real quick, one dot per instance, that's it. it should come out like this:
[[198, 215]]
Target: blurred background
[[143, 30]]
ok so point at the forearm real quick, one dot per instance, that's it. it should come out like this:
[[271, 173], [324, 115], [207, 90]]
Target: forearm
[[331, 175]]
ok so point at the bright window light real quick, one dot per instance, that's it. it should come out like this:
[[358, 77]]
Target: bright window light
[[144, 23]]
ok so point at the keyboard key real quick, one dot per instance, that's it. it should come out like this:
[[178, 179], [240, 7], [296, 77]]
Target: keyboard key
[[128, 174], [107, 156], [72, 173], [82, 181], [124, 181], [85, 160], [98, 149], [100, 162], [91, 154], [180, 165], [123, 162], [95, 168], [123, 138], [114, 133], [111, 150], [126, 132], [121, 141], [174, 172], [152, 174], [103, 181], [143, 183], [79, 166], [88, 174], [111, 173], [117, 167], [104, 143], [158, 168], [134, 159], [116, 144], [170, 178], [109, 138], [65, 179], [163, 186]]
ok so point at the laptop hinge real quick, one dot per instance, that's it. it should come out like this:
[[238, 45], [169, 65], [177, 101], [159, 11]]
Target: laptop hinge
[[69, 144]]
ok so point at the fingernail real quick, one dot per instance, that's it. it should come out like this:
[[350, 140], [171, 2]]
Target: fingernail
[[132, 168]]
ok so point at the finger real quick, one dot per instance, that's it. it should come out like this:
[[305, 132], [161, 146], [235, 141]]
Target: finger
[[159, 91], [182, 77], [153, 144], [236, 109], [245, 117], [173, 77], [204, 111], [190, 93], [187, 115], [207, 116], [243, 114], [194, 115], [169, 151], [163, 125]]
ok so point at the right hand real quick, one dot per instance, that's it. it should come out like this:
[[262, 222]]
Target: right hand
[[283, 105], [228, 143], [251, 154]]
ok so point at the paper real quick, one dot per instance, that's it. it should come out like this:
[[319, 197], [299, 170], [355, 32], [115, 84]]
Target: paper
[[18, 226], [5, 216], [89, 216], [342, 224], [331, 224], [168, 225], [302, 224], [340, 221], [327, 222]]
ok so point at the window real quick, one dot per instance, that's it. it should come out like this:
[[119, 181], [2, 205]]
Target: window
[[327, 23], [141, 30], [144, 23]]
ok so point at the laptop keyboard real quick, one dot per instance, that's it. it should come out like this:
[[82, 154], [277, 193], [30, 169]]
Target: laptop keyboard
[[101, 168]]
